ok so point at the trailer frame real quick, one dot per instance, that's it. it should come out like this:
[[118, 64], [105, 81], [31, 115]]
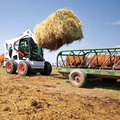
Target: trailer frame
[[113, 71]]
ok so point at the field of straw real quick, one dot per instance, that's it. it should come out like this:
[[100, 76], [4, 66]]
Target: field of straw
[[53, 98]]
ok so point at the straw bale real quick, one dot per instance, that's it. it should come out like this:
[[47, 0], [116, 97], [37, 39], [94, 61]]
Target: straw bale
[[61, 27]]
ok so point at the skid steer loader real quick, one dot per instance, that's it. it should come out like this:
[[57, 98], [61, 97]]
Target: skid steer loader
[[22, 55]]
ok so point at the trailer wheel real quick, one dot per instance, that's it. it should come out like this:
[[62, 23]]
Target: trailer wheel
[[77, 78], [11, 67], [24, 68], [47, 69]]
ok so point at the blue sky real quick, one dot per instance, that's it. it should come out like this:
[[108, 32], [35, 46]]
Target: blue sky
[[100, 18]]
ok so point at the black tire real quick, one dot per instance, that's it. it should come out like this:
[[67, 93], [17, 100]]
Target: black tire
[[47, 69], [77, 78], [11, 67], [112, 80], [33, 72], [24, 68]]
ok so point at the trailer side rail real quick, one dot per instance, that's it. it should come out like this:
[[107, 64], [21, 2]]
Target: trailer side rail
[[92, 59]]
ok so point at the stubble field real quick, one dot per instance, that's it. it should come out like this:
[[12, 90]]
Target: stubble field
[[53, 98]]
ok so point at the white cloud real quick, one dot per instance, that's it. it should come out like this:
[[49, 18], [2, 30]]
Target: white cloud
[[116, 22]]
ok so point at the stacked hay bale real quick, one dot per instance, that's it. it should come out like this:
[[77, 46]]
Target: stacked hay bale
[[1, 59], [62, 27]]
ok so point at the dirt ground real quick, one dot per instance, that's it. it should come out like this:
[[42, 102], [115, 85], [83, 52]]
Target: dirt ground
[[53, 98]]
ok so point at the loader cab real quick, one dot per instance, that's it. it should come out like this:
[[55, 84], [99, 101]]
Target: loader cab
[[27, 48]]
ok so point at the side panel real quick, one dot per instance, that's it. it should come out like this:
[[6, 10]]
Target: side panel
[[37, 64], [109, 73]]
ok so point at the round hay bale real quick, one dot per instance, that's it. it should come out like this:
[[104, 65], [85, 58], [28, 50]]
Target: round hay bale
[[1, 58], [61, 27]]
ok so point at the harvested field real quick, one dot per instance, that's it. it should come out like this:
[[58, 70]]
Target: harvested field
[[52, 97]]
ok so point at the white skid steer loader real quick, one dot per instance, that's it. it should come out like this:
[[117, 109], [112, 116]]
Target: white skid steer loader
[[22, 55]]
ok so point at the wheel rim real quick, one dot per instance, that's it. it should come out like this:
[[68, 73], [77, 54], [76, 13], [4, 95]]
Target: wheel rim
[[76, 78], [8, 66], [21, 68]]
